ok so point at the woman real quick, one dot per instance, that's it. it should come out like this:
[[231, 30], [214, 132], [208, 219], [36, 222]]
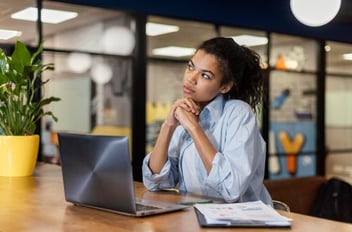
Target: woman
[[210, 143]]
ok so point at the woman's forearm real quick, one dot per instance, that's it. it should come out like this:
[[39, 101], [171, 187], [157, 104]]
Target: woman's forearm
[[158, 156]]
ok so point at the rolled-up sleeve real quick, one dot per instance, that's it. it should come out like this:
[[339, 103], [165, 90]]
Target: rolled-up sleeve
[[169, 174], [154, 182]]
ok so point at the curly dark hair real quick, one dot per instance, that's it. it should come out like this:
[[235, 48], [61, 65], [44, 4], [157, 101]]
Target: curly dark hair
[[240, 65]]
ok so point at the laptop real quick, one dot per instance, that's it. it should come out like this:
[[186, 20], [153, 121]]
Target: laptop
[[97, 173]]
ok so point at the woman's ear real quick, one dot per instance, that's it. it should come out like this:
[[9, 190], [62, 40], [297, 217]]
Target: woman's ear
[[226, 88]]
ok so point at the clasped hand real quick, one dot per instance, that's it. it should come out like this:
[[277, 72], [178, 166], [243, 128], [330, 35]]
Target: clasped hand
[[184, 111]]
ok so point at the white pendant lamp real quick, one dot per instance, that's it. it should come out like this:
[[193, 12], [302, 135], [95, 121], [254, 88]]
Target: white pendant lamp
[[315, 13]]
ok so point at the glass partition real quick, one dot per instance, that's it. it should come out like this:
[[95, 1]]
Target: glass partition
[[338, 58], [93, 54], [338, 113], [184, 35], [293, 107], [293, 53], [338, 101], [255, 40], [93, 30], [338, 127], [13, 28]]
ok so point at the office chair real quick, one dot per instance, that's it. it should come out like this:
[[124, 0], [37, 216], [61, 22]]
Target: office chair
[[279, 205]]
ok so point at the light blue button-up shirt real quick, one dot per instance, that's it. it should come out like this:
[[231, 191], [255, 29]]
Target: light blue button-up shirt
[[238, 167]]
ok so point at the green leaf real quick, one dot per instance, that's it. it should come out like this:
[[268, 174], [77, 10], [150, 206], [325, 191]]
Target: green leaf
[[21, 57], [3, 67]]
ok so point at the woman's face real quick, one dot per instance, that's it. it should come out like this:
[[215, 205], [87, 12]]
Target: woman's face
[[202, 79]]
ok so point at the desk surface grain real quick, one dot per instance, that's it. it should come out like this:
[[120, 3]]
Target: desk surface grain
[[37, 203]]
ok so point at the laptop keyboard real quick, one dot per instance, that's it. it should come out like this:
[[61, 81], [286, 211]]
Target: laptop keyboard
[[141, 207]]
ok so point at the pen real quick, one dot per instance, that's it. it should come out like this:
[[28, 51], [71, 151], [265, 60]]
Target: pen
[[201, 201]]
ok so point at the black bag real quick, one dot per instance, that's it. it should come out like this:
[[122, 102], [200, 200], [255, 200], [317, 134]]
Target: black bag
[[334, 201]]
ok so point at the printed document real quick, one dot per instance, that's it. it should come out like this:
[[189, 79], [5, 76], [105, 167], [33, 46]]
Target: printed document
[[254, 213]]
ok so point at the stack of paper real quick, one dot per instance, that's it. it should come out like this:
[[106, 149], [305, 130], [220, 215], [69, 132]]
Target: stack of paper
[[248, 214]]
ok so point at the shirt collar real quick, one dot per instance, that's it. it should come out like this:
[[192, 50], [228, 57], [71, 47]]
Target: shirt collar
[[213, 111]]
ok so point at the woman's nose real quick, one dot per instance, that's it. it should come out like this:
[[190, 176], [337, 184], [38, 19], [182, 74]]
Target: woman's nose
[[192, 78], [191, 81]]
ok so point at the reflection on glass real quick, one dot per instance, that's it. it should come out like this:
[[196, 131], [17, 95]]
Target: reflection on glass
[[338, 113], [94, 29], [184, 34], [256, 40], [92, 57], [292, 125], [338, 98], [337, 58], [293, 53]]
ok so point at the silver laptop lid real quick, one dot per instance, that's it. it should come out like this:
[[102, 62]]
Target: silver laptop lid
[[97, 171]]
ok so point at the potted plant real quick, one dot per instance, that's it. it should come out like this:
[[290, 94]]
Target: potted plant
[[20, 83]]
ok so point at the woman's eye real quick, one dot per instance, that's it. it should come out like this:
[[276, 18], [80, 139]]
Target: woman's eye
[[190, 67], [206, 76]]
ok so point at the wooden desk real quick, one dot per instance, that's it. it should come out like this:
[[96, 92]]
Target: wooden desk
[[37, 204]]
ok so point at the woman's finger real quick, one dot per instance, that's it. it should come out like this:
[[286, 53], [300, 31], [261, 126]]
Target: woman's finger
[[189, 105]]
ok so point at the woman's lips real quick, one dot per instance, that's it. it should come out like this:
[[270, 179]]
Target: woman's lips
[[187, 89]]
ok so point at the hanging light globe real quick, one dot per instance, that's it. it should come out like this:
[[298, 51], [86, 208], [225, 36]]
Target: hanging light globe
[[315, 13]]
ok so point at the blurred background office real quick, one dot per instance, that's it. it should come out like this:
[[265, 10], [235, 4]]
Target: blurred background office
[[119, 66]]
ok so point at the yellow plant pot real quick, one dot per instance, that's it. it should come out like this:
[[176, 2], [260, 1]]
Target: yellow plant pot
[[18, 155]]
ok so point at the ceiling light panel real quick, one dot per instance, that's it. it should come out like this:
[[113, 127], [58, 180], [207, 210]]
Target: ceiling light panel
[[48, 15], [250, 40], [173, 51], [9, 34], [347, 56], [155, 29]]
